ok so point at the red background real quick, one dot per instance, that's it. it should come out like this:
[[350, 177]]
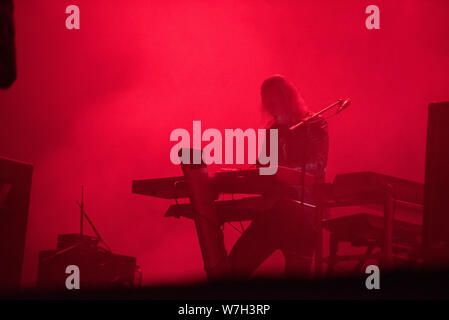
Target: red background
[[96, 106]]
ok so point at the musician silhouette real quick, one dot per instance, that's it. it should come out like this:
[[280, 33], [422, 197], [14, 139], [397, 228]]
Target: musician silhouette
[[287, 226]]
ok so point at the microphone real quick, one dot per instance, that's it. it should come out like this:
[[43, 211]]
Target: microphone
[[343, 105]]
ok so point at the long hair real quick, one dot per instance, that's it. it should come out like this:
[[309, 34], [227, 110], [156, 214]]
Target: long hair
[[292, 103]]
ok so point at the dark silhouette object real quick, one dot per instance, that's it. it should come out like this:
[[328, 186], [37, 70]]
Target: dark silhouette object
[[436, 219], [15, 187], [8, 71]]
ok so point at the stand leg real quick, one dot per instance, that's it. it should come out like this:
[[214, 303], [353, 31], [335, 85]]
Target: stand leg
[[319, 243], [388, 228], [333, 250], [207, 224]]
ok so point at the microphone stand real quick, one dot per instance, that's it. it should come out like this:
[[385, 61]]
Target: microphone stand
[[82, 210], [304, 123], [84, 215], [339, 102]]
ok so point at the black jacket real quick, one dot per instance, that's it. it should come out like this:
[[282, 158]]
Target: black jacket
[[306, 145]]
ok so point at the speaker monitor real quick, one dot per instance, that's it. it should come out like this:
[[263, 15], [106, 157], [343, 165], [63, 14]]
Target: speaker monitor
[[436, 194], [15, 185]]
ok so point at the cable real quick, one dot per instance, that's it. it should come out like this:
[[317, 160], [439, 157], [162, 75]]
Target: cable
[[241, 225], [239, 231]]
